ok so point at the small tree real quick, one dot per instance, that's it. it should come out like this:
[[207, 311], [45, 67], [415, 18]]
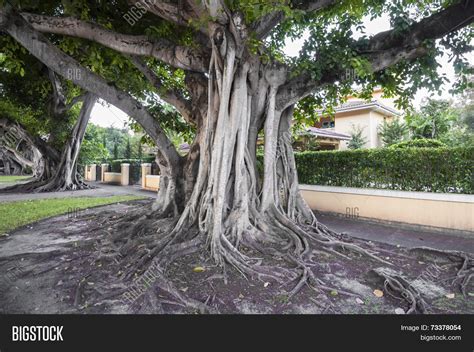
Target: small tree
[[115, 151], [393, 132], [358, 141], [140, 150], [433, 120], [128, 150]]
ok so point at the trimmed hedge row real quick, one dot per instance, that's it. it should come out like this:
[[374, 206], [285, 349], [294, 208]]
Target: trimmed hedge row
[[447, 170], [420, 143]]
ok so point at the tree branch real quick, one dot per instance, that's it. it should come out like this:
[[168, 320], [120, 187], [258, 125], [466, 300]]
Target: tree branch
[[435, 26], [59, 99], [76, 100], [173, 96], [387, 49], [40, 47], [263, 26], [161, 49], [170, 11]]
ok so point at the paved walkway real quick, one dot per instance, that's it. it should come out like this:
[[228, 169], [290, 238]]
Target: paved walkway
[[397, 236], [353, 227], [102, 190]]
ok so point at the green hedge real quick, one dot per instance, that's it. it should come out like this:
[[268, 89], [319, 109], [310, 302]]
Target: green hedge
[[419, 143], [408, 169]]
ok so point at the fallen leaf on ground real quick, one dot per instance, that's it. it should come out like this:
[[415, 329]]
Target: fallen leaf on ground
[[450, 295], [266, 284], [378, 293], [359, 301], [199, 269], [184, 289], [334, 293]]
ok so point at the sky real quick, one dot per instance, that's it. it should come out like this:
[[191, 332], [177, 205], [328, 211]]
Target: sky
[[109, 116]]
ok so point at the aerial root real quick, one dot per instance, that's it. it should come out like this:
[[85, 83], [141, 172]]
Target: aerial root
[[399, 288]]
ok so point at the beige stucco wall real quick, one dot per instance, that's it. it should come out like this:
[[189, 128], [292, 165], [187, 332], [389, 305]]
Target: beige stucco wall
[[368, 120], [152, 182], [443, 211], [90, 172], [344, 123], [125, 174], [112, 177]]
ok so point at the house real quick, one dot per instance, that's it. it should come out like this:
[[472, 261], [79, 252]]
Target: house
[[334, 132]]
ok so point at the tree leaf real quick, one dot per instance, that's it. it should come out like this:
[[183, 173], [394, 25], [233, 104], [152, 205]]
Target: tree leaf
[[199, 269], [378, 293]]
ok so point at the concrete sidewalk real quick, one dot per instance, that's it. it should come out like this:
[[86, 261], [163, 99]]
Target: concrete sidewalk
[[397, 236], [353, 227], [102, 190]]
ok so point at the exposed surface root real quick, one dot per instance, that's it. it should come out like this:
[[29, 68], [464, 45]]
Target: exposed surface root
[[42, 186], [464, 261], [134, 262], [400, 288], [149, 253]]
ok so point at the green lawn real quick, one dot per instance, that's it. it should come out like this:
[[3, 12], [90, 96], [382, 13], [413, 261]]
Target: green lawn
[[19, 213], [13, 179]]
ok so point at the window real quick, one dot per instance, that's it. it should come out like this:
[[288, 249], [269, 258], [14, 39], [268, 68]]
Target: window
[[329, 124]]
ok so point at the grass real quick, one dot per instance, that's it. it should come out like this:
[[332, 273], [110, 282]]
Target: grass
[[13, 179], [20, 213]]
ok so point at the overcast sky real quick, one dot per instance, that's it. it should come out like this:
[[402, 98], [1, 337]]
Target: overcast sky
[[106, 116]]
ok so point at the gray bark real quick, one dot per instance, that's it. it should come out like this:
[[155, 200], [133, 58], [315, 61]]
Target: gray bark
[[18, 150], [65, 175]]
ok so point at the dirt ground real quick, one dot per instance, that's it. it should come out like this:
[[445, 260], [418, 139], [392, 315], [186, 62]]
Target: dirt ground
[[56, 266]]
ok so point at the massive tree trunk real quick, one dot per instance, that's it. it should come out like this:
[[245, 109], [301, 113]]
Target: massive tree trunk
[[231, 204], [18, 150], [59, 170], [65, 175]]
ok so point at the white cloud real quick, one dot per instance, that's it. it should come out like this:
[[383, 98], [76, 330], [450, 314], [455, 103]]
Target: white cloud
[[106, 115]]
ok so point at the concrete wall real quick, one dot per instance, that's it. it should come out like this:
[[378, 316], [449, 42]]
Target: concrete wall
[[112, 177], [432, 211], [121, 178], [149, 182], [90, 172], [125, 174], [152, 182]]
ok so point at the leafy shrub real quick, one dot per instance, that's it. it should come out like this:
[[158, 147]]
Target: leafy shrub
[[419, 143], [407, 169]]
